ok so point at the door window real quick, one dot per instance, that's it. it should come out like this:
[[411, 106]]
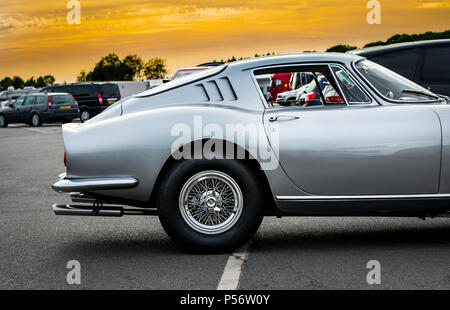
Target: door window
[[315, 86], [29, 100], [19, 102], [352, 92], [42, 100]]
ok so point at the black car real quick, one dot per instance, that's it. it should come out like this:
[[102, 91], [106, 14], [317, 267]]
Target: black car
[[92, 98], [425, 62], [35, 109]]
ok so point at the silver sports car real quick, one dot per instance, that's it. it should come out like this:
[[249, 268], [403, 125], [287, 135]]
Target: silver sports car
[[211, 157]]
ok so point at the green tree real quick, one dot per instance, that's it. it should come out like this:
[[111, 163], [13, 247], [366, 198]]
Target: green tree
[[31, 82], [155, 68], [40, 82], [133, 67], [377, 43], [17, 82], [109, 68], [341, 48], [82, 76], [6, 82], [401, 38], [49, 79]]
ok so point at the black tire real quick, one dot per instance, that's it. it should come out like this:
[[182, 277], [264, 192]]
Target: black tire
[[36, 120], [85, 115], [3, 121], [235, 236]]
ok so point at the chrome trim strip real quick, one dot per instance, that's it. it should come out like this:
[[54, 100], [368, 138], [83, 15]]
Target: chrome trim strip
[[362, 197], [94, 184]]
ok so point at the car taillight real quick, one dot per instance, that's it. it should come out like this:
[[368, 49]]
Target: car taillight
[[49, 102], [100, 99], [310, 97], [65, 160], [76, 103], [334, 99]]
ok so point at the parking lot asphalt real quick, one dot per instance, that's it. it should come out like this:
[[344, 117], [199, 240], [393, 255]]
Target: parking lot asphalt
[[135, 252]]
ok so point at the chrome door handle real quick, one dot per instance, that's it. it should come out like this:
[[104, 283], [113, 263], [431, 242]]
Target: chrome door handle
[[276, 118]]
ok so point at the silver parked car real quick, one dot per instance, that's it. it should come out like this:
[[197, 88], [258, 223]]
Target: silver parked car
[[210, 156]]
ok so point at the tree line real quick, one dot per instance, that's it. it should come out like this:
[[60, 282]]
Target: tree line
[[130, 68], [397, 38], [18, 82]]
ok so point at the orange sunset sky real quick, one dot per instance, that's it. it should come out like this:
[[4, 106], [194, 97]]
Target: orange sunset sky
[[36, 39]]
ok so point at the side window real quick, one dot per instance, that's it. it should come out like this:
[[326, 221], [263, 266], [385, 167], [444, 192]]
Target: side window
[[351, 91], [436, 65], [19, 102], [401, 62], [29, 100], [42, 100], [313, 86]]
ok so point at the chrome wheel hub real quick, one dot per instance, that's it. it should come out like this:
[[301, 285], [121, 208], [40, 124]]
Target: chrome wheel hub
[[35, 120], [211, 202], [85, 115]]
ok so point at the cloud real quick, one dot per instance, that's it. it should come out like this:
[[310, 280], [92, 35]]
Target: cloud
[[433, 5]]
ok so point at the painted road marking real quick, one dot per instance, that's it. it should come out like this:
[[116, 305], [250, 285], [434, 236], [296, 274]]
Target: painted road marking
[[36, 130], [233, 269]]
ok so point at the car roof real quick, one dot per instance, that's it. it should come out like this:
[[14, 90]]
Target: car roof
[[47, 94], [293, 59], [77, 84], [378, 50], [194, 68]]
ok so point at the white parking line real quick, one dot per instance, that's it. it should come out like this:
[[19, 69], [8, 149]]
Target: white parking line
[[233, 269], [36, 130]]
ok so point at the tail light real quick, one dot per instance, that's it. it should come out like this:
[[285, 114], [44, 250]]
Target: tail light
[[310, 97], [65, 160], [100, 99], [333, 99], [49, 102], [76, 103]]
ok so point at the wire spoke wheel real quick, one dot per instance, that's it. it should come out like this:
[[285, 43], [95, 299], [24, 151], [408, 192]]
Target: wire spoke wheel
[[211, 202]]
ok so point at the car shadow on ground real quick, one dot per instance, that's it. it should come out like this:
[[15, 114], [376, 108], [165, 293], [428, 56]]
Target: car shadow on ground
[[360, 237], [124, 247]]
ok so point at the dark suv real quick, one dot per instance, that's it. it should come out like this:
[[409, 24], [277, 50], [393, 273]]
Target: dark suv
[[425, 62], [35, 109], [92, 98]]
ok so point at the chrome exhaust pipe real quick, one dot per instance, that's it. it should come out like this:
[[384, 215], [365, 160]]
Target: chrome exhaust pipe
[[83, 198], [100, 211], [87, 211]]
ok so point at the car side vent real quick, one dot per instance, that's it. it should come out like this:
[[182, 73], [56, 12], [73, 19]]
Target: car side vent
[[226, 89], [201, 94], [214, 91]]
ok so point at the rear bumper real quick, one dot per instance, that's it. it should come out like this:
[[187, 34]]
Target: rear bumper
[[59, 115], [93, 184]]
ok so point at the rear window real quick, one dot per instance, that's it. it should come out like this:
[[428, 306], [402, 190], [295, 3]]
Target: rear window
[[60, 99], [110, 91], [436, 65]]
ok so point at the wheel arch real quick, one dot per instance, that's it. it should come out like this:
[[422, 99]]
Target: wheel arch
[[251, 163]]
